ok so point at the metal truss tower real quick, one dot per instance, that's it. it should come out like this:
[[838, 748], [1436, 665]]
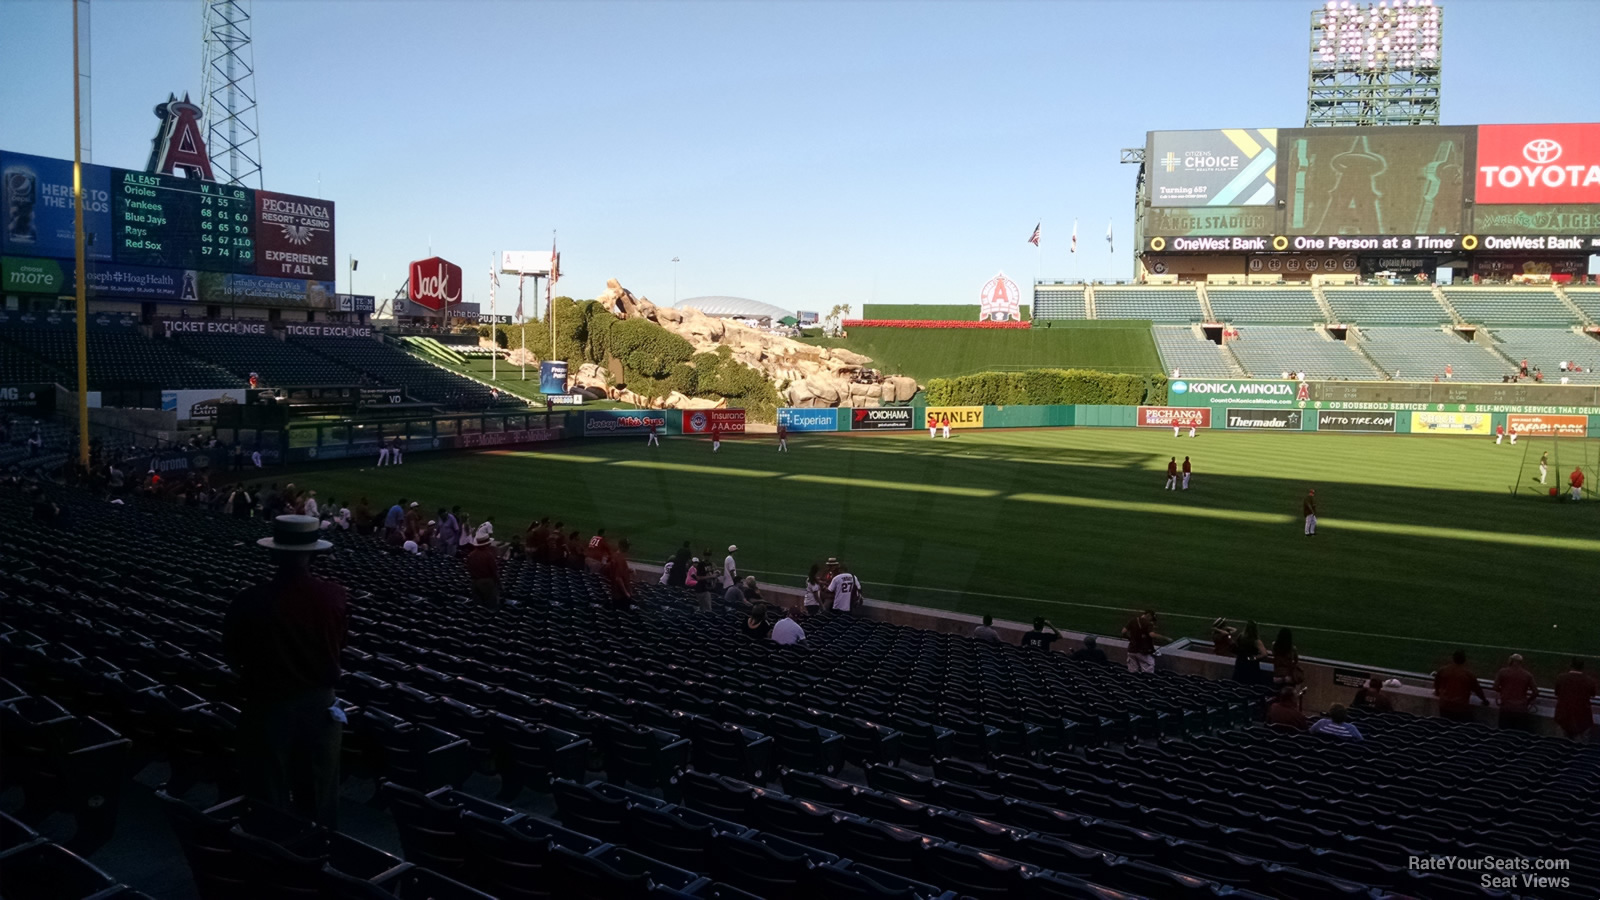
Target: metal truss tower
[[233, 129], [1378, 64]]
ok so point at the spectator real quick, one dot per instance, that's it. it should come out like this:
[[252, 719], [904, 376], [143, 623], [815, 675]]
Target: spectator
[[1454, 685], [619, 575], [787, 630], [575, 551], [395, 521], [1248, 652], [1285, 710], [1037, 637], [680, 565], [740, 594], [310, 507], [449, 531], [1575, 691], [813, 597], [1371, 696], [1515, 687], [1223, 637], [485, 531], [986, 632], [1286, 660], [755, 622], [846, 590], [597, 553], [1142, 637], [283, 638], [1090, 652], [730, 568], [483, 568], [1334, 725]]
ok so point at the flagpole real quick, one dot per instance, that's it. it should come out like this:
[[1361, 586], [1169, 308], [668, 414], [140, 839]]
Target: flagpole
[[494, 337], [524, 323]]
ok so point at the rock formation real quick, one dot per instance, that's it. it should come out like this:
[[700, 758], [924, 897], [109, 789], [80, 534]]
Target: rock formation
[[805, 375]]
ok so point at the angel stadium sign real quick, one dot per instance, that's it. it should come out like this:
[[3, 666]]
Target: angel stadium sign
[[1234, 393]]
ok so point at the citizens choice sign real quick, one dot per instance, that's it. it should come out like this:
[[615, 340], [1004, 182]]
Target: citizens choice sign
[[1232, 393]]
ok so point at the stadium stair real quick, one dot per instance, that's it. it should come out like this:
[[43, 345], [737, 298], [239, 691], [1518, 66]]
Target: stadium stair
[[1088, 302], [435, 349], [1322, 304], [1444, 301], [1205, 302], [1353, 339], [1583, 316]]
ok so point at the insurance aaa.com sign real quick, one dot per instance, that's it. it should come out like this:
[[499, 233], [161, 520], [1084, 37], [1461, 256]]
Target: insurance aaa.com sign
[[1234, 393]]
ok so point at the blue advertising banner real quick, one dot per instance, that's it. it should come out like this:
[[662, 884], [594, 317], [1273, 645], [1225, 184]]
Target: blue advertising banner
[[624, 422], [223, 290], [797, 419], [553, 376], [36, 209], [141, 282]]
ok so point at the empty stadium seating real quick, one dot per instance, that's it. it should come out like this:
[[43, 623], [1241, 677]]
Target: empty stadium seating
[[1386, 306], [1158, 304], [1545, 348], [1059, 302], [278, 363], [1285, 305], [1531, 305], [386, 364], [1184, 351], [1586, 299], [119, 356], [1269, 350], [1419, 354]]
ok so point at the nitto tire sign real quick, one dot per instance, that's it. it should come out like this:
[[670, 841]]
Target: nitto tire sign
[[1336, 420], [888, 418], [1265, 419]]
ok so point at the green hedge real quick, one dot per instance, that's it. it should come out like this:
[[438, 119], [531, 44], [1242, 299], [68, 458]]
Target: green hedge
[[1047, 387]]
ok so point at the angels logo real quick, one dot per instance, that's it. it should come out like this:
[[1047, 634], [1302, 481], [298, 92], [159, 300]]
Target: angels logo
[[1000, 301]]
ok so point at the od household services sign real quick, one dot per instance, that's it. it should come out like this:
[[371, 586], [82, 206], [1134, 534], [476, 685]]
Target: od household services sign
[[1236, 393]]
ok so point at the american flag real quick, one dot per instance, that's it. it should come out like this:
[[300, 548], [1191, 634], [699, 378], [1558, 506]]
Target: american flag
[[1074, 237], [1035, 239], [1109, 243], [555, 271]]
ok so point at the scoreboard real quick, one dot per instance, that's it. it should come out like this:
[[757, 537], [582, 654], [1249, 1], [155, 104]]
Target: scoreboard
[[164, 225], [178, 223]]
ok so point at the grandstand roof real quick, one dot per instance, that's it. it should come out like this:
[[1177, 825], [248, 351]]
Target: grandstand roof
[[734, 306]]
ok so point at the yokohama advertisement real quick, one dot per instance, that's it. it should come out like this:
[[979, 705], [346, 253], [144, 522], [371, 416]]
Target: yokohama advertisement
[[704, 421], [882, 418], [1566, 426], [1538, 163], [1174, 417]]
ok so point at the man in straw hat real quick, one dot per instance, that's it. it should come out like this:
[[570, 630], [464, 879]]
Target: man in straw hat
[[283, 637]]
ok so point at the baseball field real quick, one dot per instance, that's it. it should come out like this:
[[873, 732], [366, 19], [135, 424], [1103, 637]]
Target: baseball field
[[1421, 547]]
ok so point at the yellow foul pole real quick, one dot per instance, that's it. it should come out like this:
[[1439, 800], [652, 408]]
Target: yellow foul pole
[[77, 236]]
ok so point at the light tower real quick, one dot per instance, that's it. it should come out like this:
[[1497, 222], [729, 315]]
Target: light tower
[[1377, 64], [229, 87]]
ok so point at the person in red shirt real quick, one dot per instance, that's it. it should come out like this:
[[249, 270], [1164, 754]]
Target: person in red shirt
[[1517, 692], [783, 438], [653, 440], [1285, 710], [1575, 690], [1141, 634], [1454, 685], [597, 553], [483, 568], [1575, 480], [1499, 434], [716, 439], [1172, 474], [619, 576], [1186, 471]]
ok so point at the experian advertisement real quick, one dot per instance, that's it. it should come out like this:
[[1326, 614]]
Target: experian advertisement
[[806, 419], [1538, 164], [1226, 167], [1233, 393]]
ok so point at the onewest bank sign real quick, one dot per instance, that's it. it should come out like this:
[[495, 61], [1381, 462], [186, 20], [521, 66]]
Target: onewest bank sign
[[1182, 392]]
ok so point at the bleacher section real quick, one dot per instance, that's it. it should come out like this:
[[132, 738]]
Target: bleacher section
[[278, 363], [1284, 306], [874, 761], [1545, 348], [1267, 351], [1419, 354], [1193, 356], [1586, 299], [1386, 306], [386, 364], [1533, 305], [119, 356], [1065, 301], [1171, 304]]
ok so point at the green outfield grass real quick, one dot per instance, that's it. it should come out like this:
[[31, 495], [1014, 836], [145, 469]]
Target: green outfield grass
[[945, 352], [1421, 547]]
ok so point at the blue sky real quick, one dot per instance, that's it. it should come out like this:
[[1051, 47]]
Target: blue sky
[[804, 154]]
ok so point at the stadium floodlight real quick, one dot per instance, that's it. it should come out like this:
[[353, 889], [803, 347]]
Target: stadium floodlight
[[1375, 64]]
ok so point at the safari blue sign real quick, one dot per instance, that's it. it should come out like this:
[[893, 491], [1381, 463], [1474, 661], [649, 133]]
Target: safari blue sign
[[797, 419]]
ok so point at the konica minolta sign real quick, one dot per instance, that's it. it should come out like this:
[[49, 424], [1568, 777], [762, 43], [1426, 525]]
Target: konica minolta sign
[[1181, 392]]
